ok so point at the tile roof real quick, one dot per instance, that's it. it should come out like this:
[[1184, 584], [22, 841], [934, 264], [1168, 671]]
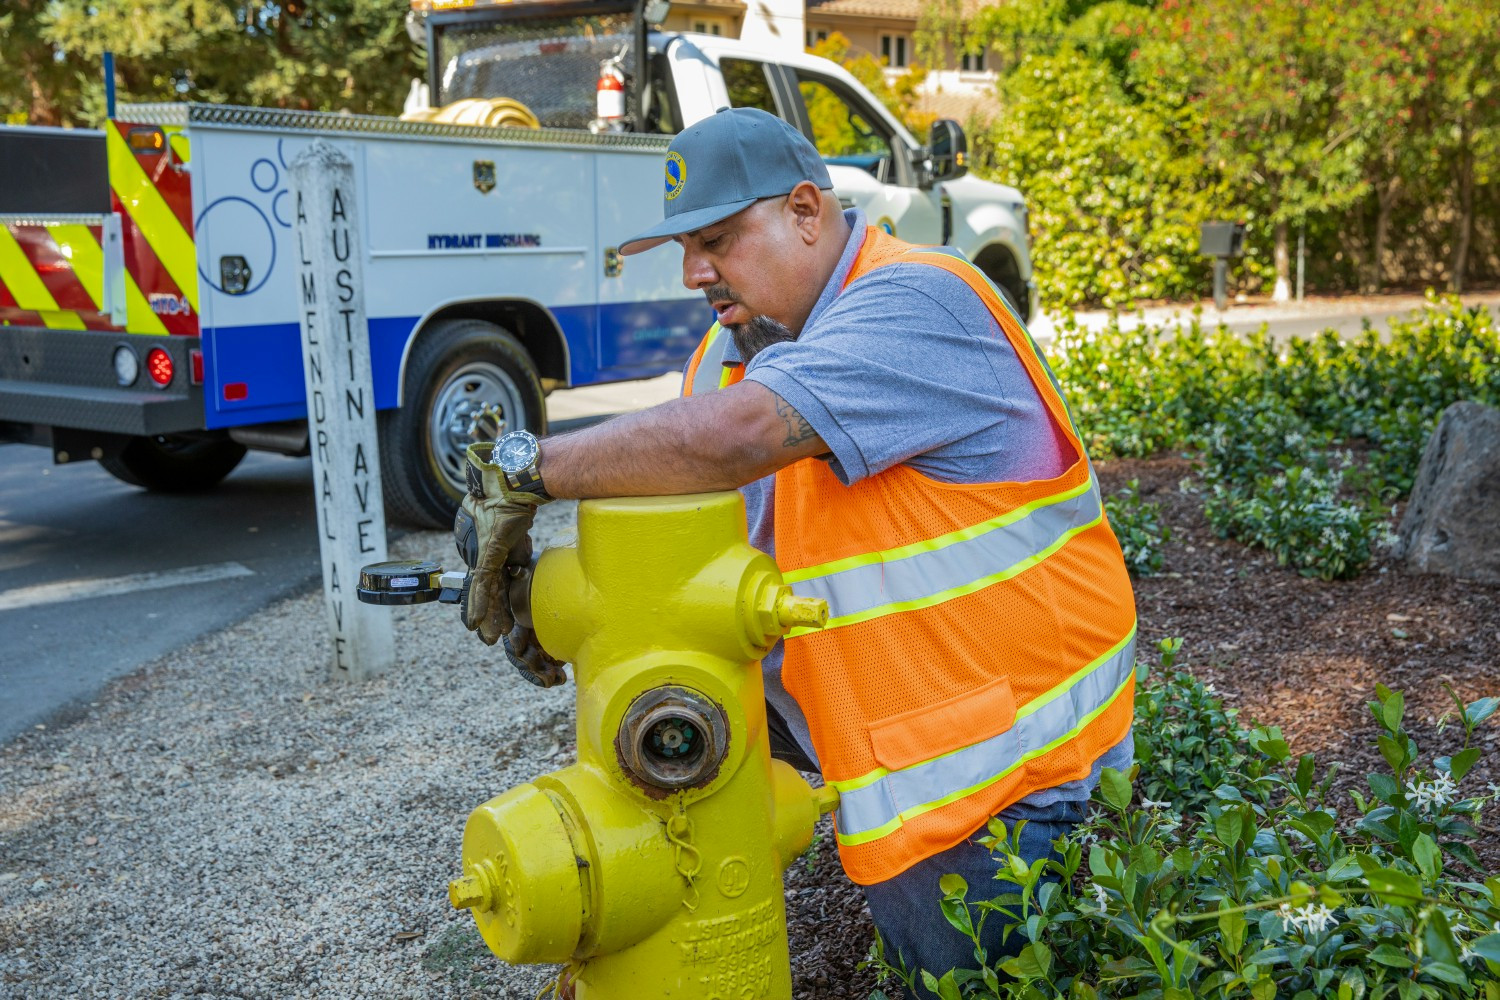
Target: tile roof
[[905, 9], [908, 10]]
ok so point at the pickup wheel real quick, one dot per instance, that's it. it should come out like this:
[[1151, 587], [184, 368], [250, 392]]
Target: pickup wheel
[[174, 463], [999, 265], [466, 381]]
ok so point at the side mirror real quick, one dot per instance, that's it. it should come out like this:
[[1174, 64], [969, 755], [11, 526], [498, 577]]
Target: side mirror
[[948, 149]]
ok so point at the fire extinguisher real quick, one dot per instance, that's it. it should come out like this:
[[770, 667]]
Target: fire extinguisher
[[610, 94]]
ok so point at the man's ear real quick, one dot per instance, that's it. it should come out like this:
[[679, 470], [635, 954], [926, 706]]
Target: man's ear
[[806, 205]]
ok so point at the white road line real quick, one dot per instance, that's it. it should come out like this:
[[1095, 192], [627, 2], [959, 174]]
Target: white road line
[[73, 590]]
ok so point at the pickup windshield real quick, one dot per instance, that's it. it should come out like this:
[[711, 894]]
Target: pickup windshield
[[551, 67]]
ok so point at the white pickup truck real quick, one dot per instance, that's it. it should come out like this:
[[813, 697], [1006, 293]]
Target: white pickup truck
[[489, 250]]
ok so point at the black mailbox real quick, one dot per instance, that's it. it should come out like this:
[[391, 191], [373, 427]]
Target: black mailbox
[[1222, 239]]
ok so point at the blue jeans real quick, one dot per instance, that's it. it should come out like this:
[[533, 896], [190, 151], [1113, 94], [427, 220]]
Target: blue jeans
[[905, 908], [906, 912]]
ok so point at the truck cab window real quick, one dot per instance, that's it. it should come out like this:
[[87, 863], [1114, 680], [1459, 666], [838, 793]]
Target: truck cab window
[[844, 132], [748, 85]]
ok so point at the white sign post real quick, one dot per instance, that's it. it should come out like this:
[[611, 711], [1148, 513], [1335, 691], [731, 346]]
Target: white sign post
[[340, 406]]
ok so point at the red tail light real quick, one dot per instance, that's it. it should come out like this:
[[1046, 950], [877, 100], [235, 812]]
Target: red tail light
[[195, 359], [159, 366]]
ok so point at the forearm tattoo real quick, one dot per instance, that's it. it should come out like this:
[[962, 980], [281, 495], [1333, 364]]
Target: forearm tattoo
[[798, 429]]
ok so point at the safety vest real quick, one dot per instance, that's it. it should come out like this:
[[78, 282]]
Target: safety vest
[[980, 639]]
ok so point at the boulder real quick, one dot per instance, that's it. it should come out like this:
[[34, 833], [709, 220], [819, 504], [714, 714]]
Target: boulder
[[1452, 523]]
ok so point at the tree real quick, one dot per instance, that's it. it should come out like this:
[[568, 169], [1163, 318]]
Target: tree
[[37, 82], [1268, 85], [311, 54]]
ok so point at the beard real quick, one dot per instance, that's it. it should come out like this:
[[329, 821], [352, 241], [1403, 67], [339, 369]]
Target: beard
[[755, 336]]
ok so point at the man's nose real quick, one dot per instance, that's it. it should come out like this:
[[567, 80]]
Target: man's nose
[[697, 272]]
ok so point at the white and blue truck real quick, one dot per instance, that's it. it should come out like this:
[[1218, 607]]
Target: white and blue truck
[[148, 314]]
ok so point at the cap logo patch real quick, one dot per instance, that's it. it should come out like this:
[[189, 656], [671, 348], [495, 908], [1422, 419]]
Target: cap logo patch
[[676, 175]]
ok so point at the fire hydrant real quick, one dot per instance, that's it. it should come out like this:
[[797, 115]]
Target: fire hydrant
[[653, 865]]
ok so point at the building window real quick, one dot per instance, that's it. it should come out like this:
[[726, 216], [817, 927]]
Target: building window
[[814, 37], [893, 50], [704, 28], [972, 63]]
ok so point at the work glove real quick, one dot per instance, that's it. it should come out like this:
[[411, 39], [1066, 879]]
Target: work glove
[[500, 518], [534, 663]]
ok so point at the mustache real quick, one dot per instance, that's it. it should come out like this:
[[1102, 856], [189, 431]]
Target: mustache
[[720, 293]]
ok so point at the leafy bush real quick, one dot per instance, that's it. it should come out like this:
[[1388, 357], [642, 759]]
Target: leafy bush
[[1137, 525], [1114, 213], [1252, 888], [1187, 744], [1274, 422]]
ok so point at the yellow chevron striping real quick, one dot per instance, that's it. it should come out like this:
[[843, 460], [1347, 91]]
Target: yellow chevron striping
[[171, 243], [21, 278], [27, 289], [83, 250], [61, 319]]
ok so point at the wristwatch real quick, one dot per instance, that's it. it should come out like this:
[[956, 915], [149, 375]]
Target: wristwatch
[[519, 455]]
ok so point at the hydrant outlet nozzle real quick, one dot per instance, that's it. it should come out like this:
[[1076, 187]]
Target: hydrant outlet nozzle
[[468, 893], [801, 612]]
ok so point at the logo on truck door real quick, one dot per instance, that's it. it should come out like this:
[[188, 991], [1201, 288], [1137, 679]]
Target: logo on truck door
[[484, 175]]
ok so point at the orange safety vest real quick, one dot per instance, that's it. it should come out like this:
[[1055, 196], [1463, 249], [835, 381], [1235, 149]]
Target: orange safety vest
[[980, 640]]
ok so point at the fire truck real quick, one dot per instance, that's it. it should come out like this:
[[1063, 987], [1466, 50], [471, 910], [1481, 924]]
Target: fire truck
[[148, 314]]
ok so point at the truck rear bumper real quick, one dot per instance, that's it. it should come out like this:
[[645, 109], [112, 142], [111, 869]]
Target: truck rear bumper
[[66, 379]]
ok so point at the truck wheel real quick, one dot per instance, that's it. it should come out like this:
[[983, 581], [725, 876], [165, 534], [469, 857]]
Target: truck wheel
[[466, 381], [999, 266], [174, 463]]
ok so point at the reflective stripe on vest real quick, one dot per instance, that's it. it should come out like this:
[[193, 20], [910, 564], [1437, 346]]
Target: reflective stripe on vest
[[931, 572], [875, 804], [711, 372]]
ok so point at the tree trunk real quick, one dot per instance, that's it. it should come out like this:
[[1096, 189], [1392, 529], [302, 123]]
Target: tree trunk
[[43, 109], [1283, 290], [1386, 198], [1464, 224]]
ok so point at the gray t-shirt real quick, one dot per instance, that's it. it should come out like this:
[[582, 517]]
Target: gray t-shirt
[[908, 365]]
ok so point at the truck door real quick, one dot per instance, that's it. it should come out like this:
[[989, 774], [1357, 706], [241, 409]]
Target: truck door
[[868, 161]]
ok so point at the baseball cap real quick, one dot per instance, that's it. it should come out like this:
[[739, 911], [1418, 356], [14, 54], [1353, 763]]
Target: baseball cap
[[723, 165]]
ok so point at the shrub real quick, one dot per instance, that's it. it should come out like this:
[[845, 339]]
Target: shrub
[[1137, 526], [1252, 888], [1275, 423]]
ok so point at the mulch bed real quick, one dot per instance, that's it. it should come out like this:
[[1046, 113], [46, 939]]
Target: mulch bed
[[1289, 651]]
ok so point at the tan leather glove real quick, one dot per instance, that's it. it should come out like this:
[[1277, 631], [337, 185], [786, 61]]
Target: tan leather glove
[[534, 662], [502, 517]]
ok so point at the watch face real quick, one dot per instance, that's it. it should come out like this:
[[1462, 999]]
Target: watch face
[[516, 451]]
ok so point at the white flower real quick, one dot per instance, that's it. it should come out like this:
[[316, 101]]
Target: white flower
[[1430, 796], [1314, 918], [1466, 954], [1154, 804], [1101, 898]]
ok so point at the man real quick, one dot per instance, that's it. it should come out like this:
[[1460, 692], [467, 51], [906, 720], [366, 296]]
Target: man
[[905, 454]]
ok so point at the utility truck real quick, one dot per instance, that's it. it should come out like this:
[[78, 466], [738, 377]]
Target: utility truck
[[148, 308]]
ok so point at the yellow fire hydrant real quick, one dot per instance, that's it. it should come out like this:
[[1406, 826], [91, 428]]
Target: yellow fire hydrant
[[653, 865]]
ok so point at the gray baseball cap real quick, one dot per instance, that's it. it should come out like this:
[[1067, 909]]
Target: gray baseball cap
[[726, 163]]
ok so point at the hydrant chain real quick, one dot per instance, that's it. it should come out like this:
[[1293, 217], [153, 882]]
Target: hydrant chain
[[680, 834]]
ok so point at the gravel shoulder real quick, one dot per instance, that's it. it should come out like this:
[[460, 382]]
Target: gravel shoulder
[[226, 823]]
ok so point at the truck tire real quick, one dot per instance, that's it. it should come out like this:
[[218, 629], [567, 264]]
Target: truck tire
[[999, 265], [466, 380], [174, 463]]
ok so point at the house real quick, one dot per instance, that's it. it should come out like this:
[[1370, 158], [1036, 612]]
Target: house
[[961, 87]]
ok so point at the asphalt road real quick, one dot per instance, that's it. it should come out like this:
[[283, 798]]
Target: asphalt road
[[98, 578]]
